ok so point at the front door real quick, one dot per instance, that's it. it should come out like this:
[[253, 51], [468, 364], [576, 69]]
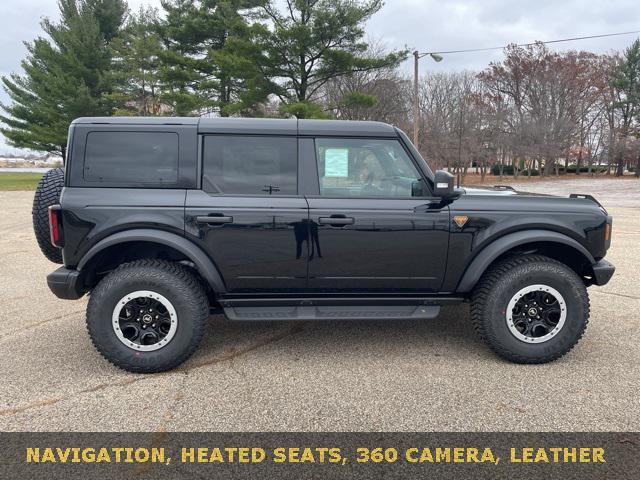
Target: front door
[[369, 233], [248, 215]]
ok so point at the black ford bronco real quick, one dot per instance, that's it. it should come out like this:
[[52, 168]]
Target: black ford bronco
[[164, 220]]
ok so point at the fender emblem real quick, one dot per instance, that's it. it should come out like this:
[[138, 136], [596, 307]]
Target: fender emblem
[[460, 220]]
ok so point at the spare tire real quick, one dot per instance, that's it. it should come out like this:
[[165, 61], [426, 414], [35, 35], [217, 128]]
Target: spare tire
[[47, 194]]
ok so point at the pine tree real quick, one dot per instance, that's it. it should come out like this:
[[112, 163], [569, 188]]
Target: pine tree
[[626, 83], [299, 49], [64, 75], [193, 31], [136, 66]]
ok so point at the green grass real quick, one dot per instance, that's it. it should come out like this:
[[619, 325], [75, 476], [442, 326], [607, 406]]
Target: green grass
[[19, 181]]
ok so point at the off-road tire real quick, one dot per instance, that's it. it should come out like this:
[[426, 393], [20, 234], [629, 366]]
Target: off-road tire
[[498, 286], [173, 281], [47, 194]]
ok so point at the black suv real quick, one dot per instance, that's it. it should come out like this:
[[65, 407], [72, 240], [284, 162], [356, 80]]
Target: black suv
[[164, 220]]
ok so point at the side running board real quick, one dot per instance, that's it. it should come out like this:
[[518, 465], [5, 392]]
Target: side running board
[[332, 312]]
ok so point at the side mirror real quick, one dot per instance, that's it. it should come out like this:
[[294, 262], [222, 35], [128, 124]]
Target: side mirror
[[443, 184], [417, 188]]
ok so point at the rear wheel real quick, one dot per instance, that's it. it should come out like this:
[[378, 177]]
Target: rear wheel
[[530, 309], [47, 194], [147, 316]]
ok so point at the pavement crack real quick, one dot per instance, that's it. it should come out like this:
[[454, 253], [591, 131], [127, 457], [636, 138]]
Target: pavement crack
[[167, 416], [617, 294], [39, 324], [41, 403], [53, 401], [226, 356], [160, 434], [232, 353], [514, 408]]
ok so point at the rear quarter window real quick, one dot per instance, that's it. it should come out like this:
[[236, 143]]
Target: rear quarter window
[[132, 157]]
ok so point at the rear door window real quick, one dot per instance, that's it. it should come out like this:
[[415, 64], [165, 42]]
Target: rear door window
[[250, 165], [132, 158]]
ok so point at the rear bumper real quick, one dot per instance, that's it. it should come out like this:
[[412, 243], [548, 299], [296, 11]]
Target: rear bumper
[[64, 283], [602, 272]]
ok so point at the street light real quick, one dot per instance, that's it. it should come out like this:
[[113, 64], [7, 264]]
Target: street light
[[416, 104]]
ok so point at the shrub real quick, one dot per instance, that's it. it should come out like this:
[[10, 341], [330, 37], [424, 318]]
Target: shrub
[[585, 169], [507, 169]]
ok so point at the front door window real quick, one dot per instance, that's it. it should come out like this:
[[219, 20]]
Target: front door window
[[364, 168]]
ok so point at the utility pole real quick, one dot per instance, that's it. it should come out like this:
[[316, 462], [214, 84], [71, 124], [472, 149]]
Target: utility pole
[[416, 102]]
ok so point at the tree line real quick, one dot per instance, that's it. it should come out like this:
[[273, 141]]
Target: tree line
[[195, 57], [536, 112]]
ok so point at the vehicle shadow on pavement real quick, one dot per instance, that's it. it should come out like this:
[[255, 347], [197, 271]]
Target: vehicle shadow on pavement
[[451, 334]]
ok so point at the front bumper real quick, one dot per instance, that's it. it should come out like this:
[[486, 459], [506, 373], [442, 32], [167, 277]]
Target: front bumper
[[602, 272], [65, 284]]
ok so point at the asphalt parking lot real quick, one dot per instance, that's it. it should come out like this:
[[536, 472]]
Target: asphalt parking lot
[[335, 376]]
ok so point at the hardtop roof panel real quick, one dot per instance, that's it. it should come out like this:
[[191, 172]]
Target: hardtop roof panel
[[345, 128], [137, 120], [255, 126]]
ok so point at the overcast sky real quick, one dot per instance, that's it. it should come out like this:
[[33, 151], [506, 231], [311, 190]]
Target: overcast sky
[[426, 25]]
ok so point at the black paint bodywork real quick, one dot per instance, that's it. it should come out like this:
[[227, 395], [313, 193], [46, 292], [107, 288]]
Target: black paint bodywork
[[287, 246]]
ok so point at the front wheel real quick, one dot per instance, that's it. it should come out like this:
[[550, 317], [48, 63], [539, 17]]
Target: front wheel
[[147, 316], [530, 309]]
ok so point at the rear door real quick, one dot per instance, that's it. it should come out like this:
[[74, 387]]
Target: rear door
[[370, 230], [248, 215]]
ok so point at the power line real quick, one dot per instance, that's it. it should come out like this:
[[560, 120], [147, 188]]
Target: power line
[[531, 43]]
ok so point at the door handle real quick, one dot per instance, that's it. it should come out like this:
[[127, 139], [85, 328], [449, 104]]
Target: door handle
[[214, 220], [336, 221]]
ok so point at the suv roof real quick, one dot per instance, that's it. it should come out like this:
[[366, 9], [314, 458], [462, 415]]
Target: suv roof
[[274, 126]]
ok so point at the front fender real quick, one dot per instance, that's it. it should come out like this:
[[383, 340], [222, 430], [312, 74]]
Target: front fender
[[503, 244]]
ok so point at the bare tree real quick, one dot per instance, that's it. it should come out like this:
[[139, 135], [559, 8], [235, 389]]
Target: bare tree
[[381, 94], [536, 112], [548, 102], [454, 133]]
